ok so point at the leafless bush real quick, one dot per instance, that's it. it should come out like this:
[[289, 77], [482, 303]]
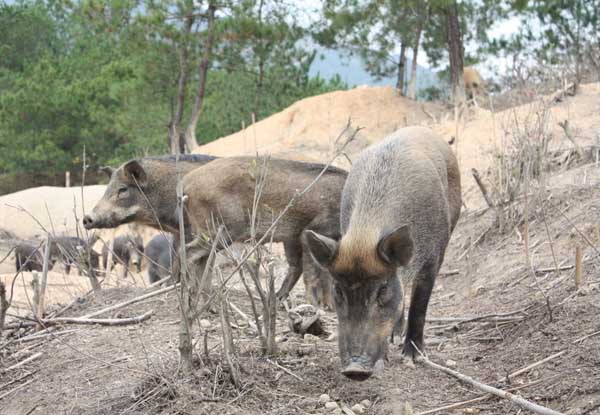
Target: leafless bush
[[520, 164]]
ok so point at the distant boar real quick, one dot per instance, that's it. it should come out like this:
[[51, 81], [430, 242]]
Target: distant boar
[[224, 191], [159, 253], [474, 84], [71, 250], [28, 257], [127, 249], [399, 206]]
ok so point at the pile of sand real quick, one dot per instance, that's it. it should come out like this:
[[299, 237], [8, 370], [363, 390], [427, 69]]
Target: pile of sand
[[307, 129]]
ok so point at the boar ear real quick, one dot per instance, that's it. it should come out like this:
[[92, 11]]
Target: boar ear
[[135, 172], [396, 248], [106, 170], [322, 248]]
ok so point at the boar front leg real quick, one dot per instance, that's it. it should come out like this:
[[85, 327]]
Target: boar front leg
[[293, 254], [421, 291]]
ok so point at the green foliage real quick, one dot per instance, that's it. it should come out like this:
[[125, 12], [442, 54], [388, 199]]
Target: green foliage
[[102, 75]]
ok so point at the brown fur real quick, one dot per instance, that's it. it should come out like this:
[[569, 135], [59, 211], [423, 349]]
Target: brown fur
[[474, 84], [224, 189]]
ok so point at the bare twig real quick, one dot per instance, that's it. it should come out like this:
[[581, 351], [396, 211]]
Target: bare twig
[[228, 343], [286, 370], [22, 362], [482, 187], [475, 400], [578, 267], [100, 321], [22, 385], [523, 403], [130, 301]]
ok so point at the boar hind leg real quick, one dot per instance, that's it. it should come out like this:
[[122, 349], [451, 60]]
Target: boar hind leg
[[293, 254], [421, 291]]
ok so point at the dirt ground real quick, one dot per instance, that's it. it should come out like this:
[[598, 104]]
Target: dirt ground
[[538, 313]]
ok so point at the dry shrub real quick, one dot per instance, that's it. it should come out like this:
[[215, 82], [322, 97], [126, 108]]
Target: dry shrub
[[521, 164]]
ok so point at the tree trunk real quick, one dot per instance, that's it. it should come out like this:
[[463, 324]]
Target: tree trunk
[[412, 86], [175, 136], [401, 69], [190, 136], [455, 51]]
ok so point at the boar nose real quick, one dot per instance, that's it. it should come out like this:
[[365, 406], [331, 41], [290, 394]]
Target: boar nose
[[88, 221], [357, 371]]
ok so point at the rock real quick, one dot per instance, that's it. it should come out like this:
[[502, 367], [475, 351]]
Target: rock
[[338, 412], [365, 403], [450, 364], [324, 398], [358, 409], [205, 324], [331, 406], [310, 338]]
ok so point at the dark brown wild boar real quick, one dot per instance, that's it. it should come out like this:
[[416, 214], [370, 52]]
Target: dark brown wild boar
[[399, 206], [127, 249], [225, 190], [28, 257]]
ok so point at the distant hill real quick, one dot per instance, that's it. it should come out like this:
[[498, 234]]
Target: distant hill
[[329, 62]]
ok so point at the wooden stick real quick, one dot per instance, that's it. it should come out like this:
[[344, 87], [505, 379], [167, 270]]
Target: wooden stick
[[101, 321], [523, 403], [501, 317], [132, 301], [16, 389], [536, 364], [482, 187], [578, 267], [22, 362], [41, 306], [286, 370], [475, 400], [242, 314]]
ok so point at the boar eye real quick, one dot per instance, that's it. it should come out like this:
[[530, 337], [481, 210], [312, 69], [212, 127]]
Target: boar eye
[[122, 191], [383, 296]]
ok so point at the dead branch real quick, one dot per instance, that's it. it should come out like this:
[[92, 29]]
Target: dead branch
[[3, 306], [523, 403], [475, 400], [228, 343], [286, 370], [482, 187], [558, 96], [578, 267], [22, 385], [22, 362], [242, 315], [41, 306], [100, 321], [503, 317], [131, 301], [536, 364]]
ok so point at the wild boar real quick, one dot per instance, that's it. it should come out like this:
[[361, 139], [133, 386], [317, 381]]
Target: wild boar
[[159, 253], [72, 250], [143, 191], [474, 84], [127, 249], [28, 257], [224, 191], [399, 206]]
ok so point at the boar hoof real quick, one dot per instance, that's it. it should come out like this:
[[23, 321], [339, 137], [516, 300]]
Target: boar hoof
[[412, 350]]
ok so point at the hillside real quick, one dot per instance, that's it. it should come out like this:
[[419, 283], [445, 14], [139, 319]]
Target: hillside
[[505, 309]]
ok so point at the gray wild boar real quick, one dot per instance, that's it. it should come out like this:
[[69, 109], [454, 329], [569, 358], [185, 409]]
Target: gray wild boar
[[124, 201], [28, 257], [127, 249], [224, 190], [72, 250], [144, 191], [400, 204], [159, 253]]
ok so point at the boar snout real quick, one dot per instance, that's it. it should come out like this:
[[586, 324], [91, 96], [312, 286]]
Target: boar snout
[[90, 221], [357, 370]]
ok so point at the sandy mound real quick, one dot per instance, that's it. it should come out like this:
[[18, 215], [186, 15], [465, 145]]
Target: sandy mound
[[307, 129], [29, 212]]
